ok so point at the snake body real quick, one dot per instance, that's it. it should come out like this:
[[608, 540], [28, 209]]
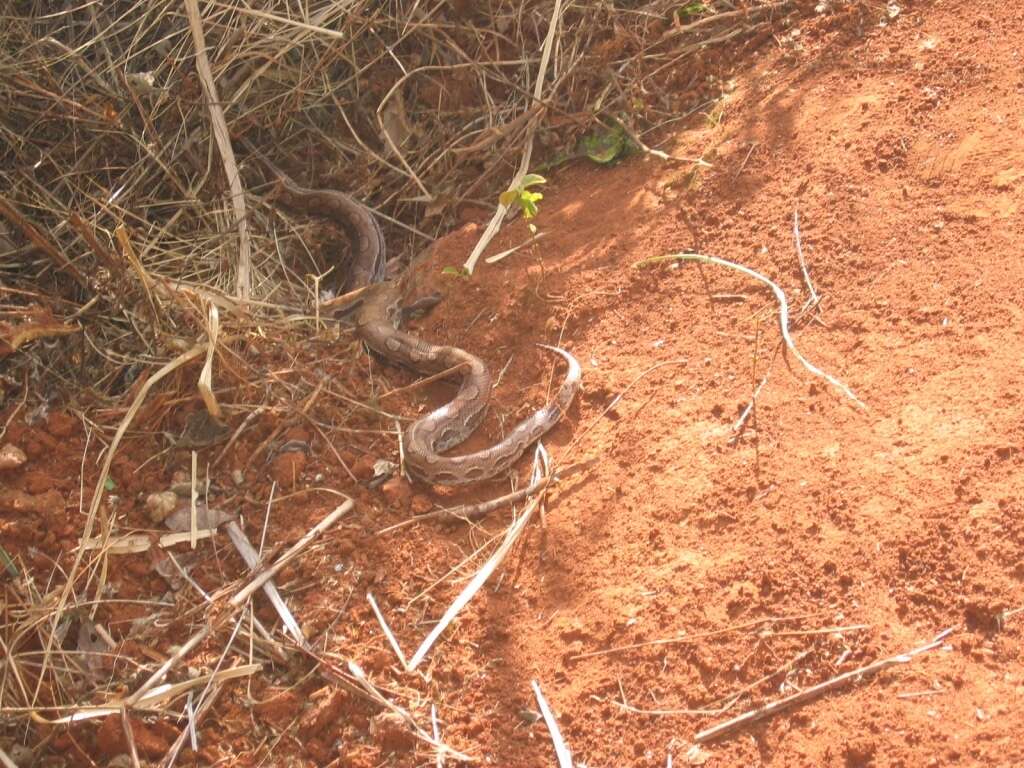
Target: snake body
[[376, 323]]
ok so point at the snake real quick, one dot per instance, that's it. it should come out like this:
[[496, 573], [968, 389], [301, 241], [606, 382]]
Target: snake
[[377, 318]]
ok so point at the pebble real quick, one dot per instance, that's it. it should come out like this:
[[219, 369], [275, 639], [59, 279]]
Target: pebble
[[160, 505], [11, 457]]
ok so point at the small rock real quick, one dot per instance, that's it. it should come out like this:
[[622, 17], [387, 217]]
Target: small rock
[[383, 470], [37, 482], [397, 493], [20, 754], [39, 445], [318, 750], [697, 756], [287, 467], [160, 505], [11, 457], [379, 660], [184, 489], [237, 476]]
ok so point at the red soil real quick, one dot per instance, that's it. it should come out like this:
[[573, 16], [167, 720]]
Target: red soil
[[902, 149]]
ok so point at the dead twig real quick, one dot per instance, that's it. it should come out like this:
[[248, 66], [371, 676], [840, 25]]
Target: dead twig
[[40, 241], [808, 694], [220, 132], [562, 752], [780, 297], [475, 512]]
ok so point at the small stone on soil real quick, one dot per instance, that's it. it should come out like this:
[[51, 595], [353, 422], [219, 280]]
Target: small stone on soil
[[11, 457], [160, 505]]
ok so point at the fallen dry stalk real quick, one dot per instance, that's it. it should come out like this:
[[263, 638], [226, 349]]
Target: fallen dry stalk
[[808, 694], [562, 752], [684, 637], [97, 497], [479, 579], [780, 297], [220, 132], [239, 599], [32, 233], [157, 696]]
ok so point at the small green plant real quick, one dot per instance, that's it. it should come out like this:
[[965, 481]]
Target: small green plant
[[524, 197], [691, 10], [606, 145], [455, 271]]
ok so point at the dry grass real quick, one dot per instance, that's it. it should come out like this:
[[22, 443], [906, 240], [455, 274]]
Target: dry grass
[[129, 206], [120, 205]]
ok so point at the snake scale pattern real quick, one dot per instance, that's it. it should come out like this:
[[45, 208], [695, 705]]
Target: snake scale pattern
[[376, 322]]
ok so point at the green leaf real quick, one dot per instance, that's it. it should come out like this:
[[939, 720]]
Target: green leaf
[[690, 10], [603, 147], [108, 484], [455, 271], [528, 202], [522, 196]]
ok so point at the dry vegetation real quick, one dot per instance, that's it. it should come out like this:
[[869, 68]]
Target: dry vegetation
[[117, 214], [130, 203]]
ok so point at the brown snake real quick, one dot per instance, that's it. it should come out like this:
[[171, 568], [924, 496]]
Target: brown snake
[[376, 323]]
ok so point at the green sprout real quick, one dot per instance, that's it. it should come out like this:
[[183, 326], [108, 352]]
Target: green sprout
[[690, 10], [605, 146], [522, 196]]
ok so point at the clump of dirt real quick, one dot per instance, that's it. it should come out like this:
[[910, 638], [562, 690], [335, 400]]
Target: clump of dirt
[[696, 569]]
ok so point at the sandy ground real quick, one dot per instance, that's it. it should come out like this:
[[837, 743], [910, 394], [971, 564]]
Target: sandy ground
[[694, 571]]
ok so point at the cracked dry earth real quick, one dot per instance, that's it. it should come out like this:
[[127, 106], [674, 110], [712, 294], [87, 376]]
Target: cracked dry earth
[[818, 540]]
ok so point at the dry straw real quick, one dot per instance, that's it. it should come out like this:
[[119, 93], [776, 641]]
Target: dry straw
[[137, 240]]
